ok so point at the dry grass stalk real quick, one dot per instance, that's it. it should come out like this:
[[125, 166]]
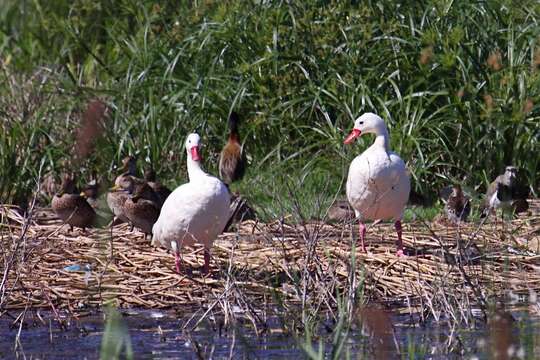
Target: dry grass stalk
[[303, 264]]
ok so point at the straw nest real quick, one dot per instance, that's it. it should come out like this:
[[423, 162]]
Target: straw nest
[[45, 266]]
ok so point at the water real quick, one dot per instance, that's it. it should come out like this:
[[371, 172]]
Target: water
[[159, 335], [153, 334]]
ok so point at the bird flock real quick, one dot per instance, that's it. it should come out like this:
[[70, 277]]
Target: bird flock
[[378, 188]]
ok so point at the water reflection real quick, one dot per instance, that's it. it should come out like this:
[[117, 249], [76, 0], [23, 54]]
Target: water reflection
[[378, 333]]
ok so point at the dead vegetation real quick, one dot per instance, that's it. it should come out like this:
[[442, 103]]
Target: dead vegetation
[[449, 270]]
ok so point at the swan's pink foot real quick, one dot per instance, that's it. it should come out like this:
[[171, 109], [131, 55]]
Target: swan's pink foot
[[362, 229], [206, 269], [400, 253], [178, 263]]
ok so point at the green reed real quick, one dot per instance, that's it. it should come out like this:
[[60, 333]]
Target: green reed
[[457, 82]]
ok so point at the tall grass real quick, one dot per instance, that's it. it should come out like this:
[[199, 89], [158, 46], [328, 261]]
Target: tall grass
[[116, 342], [457, 82]]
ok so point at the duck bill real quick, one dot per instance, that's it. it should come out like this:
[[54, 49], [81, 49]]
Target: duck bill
[[353, 135], [195, 153]]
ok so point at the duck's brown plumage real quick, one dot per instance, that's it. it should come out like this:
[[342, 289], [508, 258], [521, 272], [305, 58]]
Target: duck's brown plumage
[[129, 168], [116, 197], [232, 159], [71, 207], [458, 205], [161, 190], [141, 206], [91, 192]]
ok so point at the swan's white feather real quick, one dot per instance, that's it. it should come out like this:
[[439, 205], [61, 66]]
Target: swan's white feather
[[378, 182], [195, 212], [378, 185]]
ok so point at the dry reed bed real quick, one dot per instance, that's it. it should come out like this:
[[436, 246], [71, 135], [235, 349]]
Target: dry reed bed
[[260, 259]]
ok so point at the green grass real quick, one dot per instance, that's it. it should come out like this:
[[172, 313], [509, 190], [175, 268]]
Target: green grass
[[427, 213], [457, 82], [116, 342]]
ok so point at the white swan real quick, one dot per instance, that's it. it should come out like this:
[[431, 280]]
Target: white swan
[[378, 183], [195, 212]]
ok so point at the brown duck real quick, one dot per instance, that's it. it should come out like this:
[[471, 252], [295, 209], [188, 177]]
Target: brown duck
[[141, 205], [117, 196], [71, 207], [129, 168], [457, 206], [232, 159], [161, 190], [91, 191]]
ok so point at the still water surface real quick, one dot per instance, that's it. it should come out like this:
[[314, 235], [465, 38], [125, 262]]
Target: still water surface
[[159, 335]]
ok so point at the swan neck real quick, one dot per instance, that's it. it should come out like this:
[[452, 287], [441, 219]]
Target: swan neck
[[383, 140], [194, 169]]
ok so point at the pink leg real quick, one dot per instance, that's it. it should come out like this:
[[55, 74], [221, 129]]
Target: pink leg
[[206, 269], [362, 236], [178, 262], [399, 242]]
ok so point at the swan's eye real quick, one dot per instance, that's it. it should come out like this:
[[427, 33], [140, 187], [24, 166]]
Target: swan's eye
[[361, 123]]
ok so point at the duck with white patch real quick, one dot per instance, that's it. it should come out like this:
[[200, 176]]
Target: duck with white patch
[[457, 206], [500, 192], [378, 183], [195, 212]]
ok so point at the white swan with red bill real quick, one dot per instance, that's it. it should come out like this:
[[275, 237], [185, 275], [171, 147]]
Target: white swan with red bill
[[378, 183], [195, 212]]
